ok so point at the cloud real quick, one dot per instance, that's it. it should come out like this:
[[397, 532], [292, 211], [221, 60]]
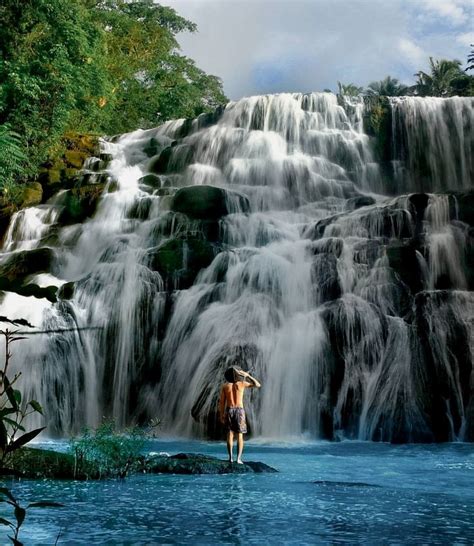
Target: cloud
[[465, 39], [266, 46], [413, 53], [456, 11]]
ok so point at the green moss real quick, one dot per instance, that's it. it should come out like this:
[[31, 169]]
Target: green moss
[[75, 158], [31, 195]]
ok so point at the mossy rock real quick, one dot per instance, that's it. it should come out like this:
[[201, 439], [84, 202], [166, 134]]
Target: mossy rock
[[75, 158], [80, 203], [32, 195], [208, 202], [19, 265], [85, 143], [180, 260]]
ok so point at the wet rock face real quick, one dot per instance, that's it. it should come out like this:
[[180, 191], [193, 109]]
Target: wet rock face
[[80, 203], [208, 202], [179, 260], [19, 265]]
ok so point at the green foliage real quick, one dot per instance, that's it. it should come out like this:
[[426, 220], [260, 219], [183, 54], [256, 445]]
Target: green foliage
[[51, 71], [349, 90], [152, 81], [104, 66], [12, 163], [388, 87], [446, 78], [107, 451], [20, 513], [470, 59], [13, 410]]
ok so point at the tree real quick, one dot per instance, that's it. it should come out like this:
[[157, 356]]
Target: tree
[[349, 90], [445, 79], [51, 71], [102, 66], [388, 87], [152, 81], [470, 59]]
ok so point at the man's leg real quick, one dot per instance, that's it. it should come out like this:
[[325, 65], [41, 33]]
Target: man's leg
[[240, 446], [230, 444]]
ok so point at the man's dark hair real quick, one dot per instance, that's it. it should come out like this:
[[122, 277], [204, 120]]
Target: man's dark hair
[[232, 375]]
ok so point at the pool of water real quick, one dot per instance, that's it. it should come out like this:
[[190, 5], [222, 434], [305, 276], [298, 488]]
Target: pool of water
[[324, 493]]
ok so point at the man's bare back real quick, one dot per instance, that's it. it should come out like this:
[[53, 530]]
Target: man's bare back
[[231, 408]]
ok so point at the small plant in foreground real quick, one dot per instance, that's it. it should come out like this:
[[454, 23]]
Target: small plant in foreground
[[13, 413], [108, 452], [20, 512]]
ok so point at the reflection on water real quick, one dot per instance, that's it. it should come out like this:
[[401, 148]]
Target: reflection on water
[[325, 493]]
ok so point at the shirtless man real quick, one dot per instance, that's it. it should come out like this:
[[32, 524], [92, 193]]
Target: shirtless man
[[231, 408]]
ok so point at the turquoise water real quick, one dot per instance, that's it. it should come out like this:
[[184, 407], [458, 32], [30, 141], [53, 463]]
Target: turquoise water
[[325, 493]]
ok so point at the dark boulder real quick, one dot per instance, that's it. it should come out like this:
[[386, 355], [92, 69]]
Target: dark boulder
[[403, 259], [30, 289], [66, 291], [190, 463], [179, 260], [359, 201], [446, 366], [151, 179], [208, 202], [18, 265], [463, 207], [173, 159], [80, 203], [325, 278], [140, 209], [330, 245]]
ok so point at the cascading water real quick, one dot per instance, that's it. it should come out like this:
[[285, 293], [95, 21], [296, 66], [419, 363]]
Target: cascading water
[[261, 235]]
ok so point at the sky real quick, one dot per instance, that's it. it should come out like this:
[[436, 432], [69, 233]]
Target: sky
[[270, 46]]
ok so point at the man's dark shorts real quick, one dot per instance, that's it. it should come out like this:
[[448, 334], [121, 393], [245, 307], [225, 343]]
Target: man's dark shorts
[[235, 420]]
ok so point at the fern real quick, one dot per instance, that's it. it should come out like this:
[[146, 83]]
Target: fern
[[13, 160]]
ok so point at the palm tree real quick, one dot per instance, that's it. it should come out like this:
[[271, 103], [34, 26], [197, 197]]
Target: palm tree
[[470, 59], [349, 90], [439, 83], [388, 87]]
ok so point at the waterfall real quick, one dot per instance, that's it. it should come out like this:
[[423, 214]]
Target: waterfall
[[261, 235]]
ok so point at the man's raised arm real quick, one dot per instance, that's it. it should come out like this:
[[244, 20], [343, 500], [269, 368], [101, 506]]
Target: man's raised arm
[[250, 381]]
